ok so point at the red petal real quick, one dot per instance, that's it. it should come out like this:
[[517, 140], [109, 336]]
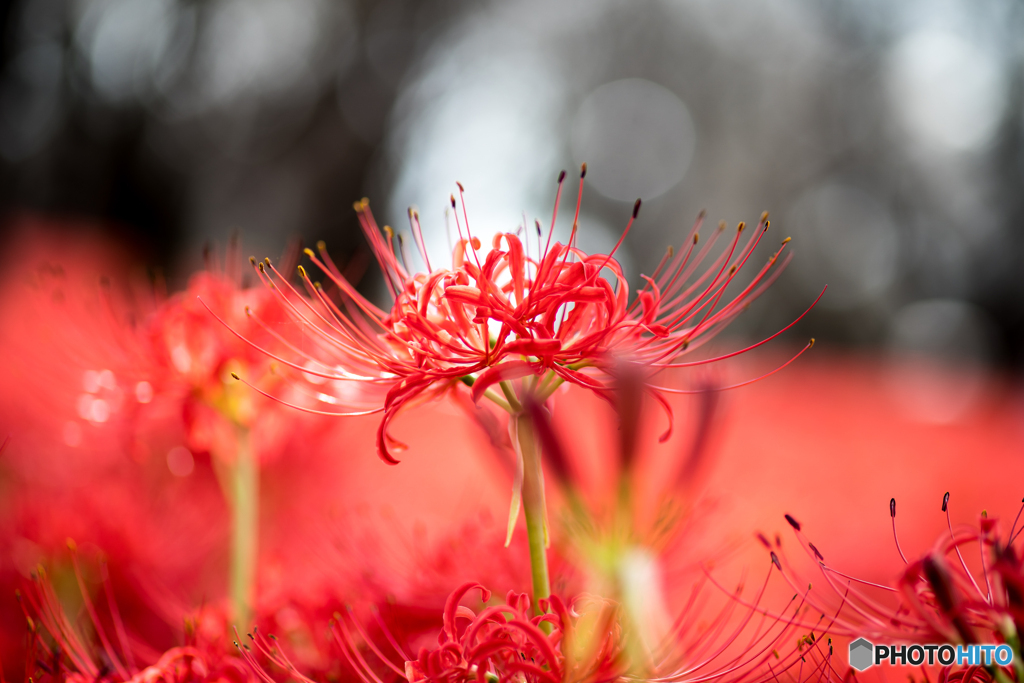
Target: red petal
[[511, 370], [451, 605], [533, 347]]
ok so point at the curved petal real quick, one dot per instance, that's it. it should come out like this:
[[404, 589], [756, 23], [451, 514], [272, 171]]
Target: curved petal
[[509, 370], [451, 605]]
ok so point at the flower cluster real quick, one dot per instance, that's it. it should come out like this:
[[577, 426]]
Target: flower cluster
[[229, 534]]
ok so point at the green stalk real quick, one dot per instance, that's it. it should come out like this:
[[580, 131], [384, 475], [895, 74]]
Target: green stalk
[[245, 510], [534, 508]]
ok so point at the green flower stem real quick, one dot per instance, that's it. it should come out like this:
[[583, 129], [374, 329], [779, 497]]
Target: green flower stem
[[534, 507], [245, 510]]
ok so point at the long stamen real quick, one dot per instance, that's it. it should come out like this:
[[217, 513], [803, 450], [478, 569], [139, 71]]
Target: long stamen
[[473, 242], [90, 608], [1010, 535], [357, 413], [417, 234], [949, 524], [115, 614], [740, 384], [554, 213], [892, 513]]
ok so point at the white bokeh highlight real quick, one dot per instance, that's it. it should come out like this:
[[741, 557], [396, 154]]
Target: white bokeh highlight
[[637, 137], [947, 92]]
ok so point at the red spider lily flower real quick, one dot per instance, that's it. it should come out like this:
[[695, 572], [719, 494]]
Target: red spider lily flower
[[580, 642], [103, 649], [504, 642], [86, 432], [968, 589], [506, 315], [121, 432], [196, 356]]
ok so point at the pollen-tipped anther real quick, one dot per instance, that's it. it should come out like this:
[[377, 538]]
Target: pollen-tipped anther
[[235, 376], [252, 260], [945, 501], [583, 170]]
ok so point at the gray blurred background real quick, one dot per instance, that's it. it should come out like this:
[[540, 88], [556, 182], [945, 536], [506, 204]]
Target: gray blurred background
[[886, 138]]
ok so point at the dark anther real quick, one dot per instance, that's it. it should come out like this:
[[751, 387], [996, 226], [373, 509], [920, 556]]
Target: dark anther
[[636, 207], [892, 508], [792, 522], [945, 501]]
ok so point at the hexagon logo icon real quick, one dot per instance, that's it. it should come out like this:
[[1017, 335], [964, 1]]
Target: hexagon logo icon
[[861, 652]]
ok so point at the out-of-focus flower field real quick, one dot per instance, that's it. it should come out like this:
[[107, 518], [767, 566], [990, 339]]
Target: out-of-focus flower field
[[195, 488]]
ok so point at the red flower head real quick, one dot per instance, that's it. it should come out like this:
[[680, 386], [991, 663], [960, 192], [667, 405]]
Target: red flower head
[[196, 356], [100, 648], [968, 589], [550, 317], [585, 640]]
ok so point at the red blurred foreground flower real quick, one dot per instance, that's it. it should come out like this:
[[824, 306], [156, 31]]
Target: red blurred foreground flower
[[580, 642], [99, 647], [968, 589]]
